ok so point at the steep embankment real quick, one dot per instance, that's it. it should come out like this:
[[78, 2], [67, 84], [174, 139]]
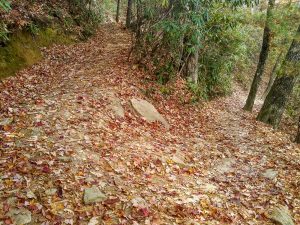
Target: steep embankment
[[60, 135], [25, 49], [26, 27]]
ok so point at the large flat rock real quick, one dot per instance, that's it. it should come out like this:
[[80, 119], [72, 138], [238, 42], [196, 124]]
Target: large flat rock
[[148, 111]]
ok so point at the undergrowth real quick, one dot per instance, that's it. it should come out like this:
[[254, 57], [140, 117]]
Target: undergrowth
[[40, 25]]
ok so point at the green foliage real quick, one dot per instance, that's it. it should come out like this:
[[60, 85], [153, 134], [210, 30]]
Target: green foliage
[[284, 19], [199, 91], [32, 28], [171, 33], [3, 32], [148, 92], [224, 47], [248, 47], [4, 5], [165, 90], [164, 73], [283, 22], [68, 22], [227, 36], [87, 14], [56, 12]]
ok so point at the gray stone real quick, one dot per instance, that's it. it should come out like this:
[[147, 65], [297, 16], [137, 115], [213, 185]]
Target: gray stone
[[148, 111], [20, 216], [208, 188], [270, 174], [117, 107], [92, 195], [224, 165], [281, 215]]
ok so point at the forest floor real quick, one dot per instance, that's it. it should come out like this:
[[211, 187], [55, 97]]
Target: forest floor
[[215, 165]]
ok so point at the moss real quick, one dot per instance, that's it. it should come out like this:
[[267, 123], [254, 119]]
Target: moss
[[23, 49], [52, 35]]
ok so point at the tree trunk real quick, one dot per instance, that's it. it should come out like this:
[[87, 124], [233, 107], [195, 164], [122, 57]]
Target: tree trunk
[[138, 20], [275, 102], [193, 66], [272, 76], [129, 14], [298, 133], [274, 105], [262, 59], [118, 11]]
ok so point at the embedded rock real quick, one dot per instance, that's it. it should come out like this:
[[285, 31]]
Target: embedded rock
[[208, 188], [93, 195], [224, 166], [116, 107], [148, 111], [270, 174]]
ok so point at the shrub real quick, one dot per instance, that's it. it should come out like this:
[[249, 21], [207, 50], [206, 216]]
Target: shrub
[[167, 36]]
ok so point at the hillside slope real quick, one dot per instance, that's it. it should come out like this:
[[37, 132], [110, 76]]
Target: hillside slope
[[59, 136]]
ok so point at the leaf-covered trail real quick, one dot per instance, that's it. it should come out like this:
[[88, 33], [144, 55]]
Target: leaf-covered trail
[[211, 167]]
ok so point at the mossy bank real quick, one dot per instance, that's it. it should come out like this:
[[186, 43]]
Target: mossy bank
[[24, 48]]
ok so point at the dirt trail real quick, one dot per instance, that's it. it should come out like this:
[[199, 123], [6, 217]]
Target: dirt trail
[[207, 169]]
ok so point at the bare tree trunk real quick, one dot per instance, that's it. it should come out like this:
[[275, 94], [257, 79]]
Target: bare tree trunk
[[262, 59], [193, 66], [276, 100], [272, 76], [138, 20], [298, 133], [118, 11], [274, 105], [129, 13]]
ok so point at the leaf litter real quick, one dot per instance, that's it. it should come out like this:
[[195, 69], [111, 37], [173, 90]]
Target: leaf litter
[[61, 139]]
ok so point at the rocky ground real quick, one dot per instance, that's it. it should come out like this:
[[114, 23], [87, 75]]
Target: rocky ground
[[87, 138]]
